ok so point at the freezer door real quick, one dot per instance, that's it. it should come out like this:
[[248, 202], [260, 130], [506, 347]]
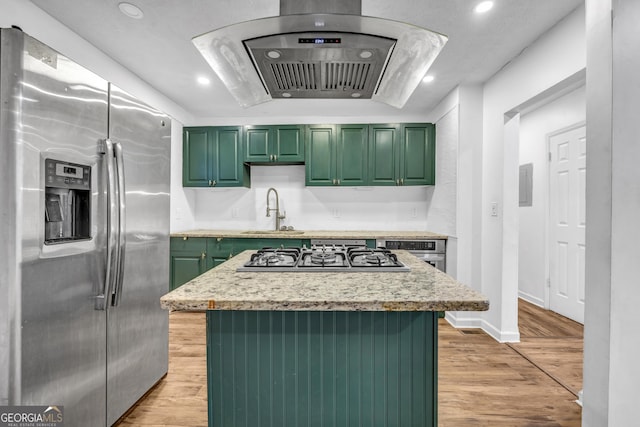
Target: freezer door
[[137, 326], [56, 349]]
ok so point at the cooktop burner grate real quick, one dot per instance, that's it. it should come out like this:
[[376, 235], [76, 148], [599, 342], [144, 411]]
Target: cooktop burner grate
[[324, 258]]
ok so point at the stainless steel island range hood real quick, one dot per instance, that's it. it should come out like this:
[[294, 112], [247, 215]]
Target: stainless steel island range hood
[[321, 50]]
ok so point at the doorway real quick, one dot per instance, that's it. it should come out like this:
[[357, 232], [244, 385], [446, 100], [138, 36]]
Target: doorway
[[550, 262]]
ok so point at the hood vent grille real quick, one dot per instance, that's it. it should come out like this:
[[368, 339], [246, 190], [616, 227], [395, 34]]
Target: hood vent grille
[[294, 76], [292, 67], [345, 76], [326, 76]]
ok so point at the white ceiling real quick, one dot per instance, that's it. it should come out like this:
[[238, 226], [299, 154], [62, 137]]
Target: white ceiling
[[158, 47]]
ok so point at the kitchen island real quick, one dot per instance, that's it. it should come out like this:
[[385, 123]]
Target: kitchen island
[[337, 348]]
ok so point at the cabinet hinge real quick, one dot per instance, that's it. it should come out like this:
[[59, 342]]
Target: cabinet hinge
[[549, 155]]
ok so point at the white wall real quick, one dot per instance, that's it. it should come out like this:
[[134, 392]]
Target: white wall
[[611, 369], [463, 248], [535, 127], [182, 202], [557, 55], [38, 24], [431, 208]]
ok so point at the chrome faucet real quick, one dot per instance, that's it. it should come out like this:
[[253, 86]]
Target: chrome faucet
[[277, 209]]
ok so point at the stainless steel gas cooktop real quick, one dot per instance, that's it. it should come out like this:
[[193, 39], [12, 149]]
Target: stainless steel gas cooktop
[[324, 258]]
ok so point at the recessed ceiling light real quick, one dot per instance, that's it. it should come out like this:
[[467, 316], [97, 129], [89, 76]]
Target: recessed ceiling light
[[273, 54], [483, 6], [131, 10], [286, 95], [204, 81], [366, 54], [428, 78], [356, 95]]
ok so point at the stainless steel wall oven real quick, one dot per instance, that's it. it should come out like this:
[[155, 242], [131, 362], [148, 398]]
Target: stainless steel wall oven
[[432, 251]]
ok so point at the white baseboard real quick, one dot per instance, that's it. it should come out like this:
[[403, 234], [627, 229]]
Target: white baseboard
[[532, 299], [478, 322], [460, 322], [498, 335]]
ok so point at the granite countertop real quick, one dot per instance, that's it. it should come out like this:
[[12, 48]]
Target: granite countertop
[[424, 288], [311, 234]]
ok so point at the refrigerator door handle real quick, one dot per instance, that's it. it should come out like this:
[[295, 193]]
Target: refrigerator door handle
[[103, 300], [119, 272]]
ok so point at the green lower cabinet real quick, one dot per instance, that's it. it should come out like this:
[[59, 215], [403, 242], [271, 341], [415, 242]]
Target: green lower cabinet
[[193, 256], [226, 248], [302, 369], [190, 257], [187, 260], [219, 250]]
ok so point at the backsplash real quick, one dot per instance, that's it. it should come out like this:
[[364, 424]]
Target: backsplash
[[311, 208]]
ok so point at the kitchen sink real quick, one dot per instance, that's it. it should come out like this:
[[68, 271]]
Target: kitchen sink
[[273, 232]]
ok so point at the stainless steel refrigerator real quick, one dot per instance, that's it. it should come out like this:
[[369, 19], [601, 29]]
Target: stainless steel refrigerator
[[84, 243]]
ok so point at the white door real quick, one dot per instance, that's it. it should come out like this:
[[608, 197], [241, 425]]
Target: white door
[[567, 179]]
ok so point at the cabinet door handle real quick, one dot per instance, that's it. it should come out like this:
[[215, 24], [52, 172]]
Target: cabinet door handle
[[230, 256], [203, 255], [397, 182], [275, 157], [271, 157], [338, 182], [401, 181], [214, 183], [210, 183]]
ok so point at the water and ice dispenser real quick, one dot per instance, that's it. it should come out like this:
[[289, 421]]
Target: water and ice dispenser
[[67, 202]]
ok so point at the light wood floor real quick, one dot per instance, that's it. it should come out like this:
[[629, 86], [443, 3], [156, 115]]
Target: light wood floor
[[481, 382]]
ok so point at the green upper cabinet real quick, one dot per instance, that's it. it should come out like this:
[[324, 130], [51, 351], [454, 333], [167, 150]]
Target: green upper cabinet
[[212, 157], [320, 165], [197, 157], [418, 153], [402, 154], [384, 154], [337, 155], [334, 155], [351, 154], [274, 144]]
